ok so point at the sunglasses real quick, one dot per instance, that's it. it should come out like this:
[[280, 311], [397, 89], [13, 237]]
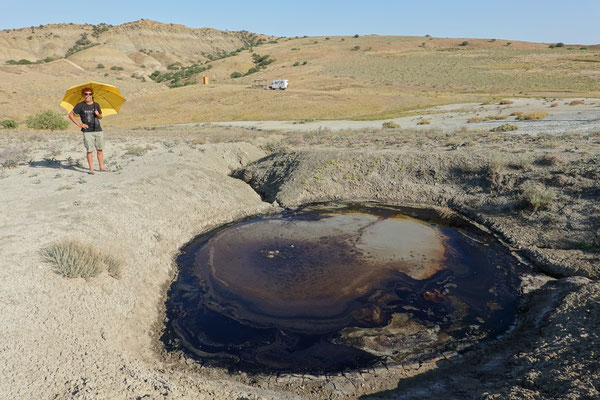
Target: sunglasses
[[88, 94]]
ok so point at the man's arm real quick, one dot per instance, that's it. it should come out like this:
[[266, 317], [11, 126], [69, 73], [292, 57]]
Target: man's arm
[[98, 111], [72, 118]]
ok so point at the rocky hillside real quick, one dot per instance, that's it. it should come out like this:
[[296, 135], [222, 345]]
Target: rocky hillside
[[143, 43]]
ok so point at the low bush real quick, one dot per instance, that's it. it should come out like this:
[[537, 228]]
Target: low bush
[[236, 75], [505, 128], [100, 66], [465, 43], [532, 116], [116, 68], [495, 117], [74, 259], [424, 122], [537, 197], [355, 48], [390, 125], [474, 120], [576, 102], [514, 114], [20, 62], [503, 102], [9, 124], [47, 120], [554, 105]]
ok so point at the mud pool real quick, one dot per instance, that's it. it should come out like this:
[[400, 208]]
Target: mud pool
[[339, 286]]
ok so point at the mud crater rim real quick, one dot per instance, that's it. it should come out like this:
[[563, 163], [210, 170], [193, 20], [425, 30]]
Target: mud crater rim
[[368, 331]]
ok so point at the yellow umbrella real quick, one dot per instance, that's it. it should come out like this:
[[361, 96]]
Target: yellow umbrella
[[107, 96]]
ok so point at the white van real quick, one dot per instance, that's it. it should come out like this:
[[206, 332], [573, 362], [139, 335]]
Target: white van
[[279, 84]]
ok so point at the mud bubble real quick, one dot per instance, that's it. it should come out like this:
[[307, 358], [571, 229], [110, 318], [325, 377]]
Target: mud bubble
[[332, 287]]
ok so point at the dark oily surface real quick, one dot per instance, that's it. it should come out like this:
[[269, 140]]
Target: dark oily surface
[[340, 287], [553, 354], [542, 201]]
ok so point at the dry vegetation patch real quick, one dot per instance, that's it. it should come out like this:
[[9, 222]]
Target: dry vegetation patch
[[532, 116], [74, 259]]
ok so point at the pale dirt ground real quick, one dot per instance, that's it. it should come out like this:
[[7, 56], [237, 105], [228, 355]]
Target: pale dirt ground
[[98, 339], [563, 117]]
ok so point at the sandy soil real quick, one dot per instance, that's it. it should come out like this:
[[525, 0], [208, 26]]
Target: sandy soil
[[99, 339], [561, 118]]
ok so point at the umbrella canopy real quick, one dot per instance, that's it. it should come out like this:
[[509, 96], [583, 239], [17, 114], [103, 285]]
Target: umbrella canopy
[[108, 96]]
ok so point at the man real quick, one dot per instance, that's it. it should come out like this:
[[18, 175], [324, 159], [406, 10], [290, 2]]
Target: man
[[93, 138]]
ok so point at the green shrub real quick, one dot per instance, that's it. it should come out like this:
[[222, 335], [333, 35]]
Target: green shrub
[[100, 66], [236, 75], [505, 128], [47, 120], [116, 68], [74, 259], [355, 36], [20, 62], [304, 62], [296, 64], [465, 43], [355, 48], [48, 59], [9, 124]]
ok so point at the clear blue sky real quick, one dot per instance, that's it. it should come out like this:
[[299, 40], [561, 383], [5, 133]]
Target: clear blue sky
[[576, 22]]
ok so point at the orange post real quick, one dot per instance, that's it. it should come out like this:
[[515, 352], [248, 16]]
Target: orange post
[[205, 80]]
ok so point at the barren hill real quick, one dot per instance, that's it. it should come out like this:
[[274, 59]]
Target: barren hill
[[165, 43], [159, 68]]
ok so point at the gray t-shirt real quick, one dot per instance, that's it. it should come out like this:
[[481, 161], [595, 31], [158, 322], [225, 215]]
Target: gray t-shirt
[[86, 113]]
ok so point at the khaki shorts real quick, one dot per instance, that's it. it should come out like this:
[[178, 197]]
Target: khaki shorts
[[93, 140]]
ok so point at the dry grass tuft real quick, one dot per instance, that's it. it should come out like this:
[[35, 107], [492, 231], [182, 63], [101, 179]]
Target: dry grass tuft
[[390, 125], [74, 259], [424, 122], [505, 128], [537, 196], [554, 105], [516, 113], [12, 156], [474, 120], [503, 102], [576, 102], [495, 117], [485, 103], [532, 116]]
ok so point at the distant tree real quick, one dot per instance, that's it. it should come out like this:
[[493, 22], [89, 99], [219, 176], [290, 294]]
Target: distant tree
[[355, 36], [465, 43]]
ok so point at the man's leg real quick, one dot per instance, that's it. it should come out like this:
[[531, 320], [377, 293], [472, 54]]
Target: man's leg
[[100, 159], [90, 158]]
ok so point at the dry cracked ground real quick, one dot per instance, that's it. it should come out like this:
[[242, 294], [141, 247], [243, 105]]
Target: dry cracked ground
[[99, 338]]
